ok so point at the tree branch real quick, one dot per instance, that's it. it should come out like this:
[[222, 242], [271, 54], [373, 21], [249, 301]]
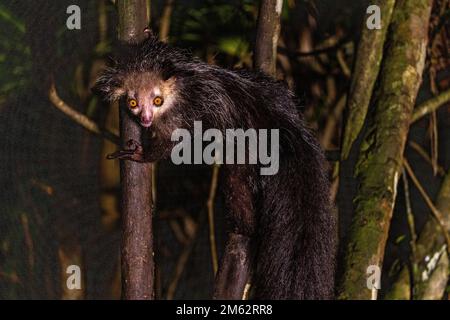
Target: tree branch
[[411, 222], [80, 118], [425, 156], [267, 36], [433, 278], [210, 207], [430, 105], [436, 213], [164, 25], [137, 232], [365, 73], [381, 154]]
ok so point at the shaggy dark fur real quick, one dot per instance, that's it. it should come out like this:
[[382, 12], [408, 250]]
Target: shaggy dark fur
[[288, 215]]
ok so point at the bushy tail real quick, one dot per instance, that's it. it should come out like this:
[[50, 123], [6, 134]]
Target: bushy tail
[[296, 252]]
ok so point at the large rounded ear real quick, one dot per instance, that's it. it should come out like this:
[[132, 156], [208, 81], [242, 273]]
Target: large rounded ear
[[109, 85], [149, 35], [179, 70], [168, 71]]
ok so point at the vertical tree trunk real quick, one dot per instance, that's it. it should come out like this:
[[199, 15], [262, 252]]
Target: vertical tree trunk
[[267, 35], [137, 240], [365, 73], [381, 153]]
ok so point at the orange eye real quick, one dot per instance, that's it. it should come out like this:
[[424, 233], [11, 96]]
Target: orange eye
[[132, 103], [158, 101]]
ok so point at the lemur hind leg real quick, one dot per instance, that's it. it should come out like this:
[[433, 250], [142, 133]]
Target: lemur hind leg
[[236, 264]]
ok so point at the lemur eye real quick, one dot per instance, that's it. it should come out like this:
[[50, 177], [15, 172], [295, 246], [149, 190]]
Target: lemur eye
[[132, 103], [158, 101]]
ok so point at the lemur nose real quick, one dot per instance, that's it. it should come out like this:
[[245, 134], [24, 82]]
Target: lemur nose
[[146, 118]]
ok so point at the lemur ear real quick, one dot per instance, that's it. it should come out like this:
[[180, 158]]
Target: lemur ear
[[170, 70], [149, 33], [109, 85]]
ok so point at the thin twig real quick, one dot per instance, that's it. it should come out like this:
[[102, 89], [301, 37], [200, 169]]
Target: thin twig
[[182, 260], [178, 232], [28, 241], [332, 122], [343, 64], [430, 105], [436, 213], [80, 118], [293, 54], [434, 141], [183, 257], [411, 224], [210, 206], [425, 156], [164, 26], [334, 188]]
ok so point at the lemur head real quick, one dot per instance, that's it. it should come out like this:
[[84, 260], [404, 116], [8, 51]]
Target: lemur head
[[148, 96], [146, 76]]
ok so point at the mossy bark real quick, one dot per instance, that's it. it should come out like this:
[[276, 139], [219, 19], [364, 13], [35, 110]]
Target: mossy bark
[[432, 276], [380, 156], [365, 73]]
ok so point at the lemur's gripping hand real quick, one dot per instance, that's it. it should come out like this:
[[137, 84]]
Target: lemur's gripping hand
[[133, 152]]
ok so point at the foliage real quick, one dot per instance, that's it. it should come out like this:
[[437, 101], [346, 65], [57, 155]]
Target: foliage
[[15, 58]]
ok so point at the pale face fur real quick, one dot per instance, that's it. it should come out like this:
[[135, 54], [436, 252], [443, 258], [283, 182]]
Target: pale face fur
[[144, 89]]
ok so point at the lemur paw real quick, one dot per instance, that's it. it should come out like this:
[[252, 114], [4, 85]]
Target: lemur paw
[[133, 151], [133, 145]]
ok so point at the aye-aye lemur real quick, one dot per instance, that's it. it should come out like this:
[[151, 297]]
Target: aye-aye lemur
[[284, 220]]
